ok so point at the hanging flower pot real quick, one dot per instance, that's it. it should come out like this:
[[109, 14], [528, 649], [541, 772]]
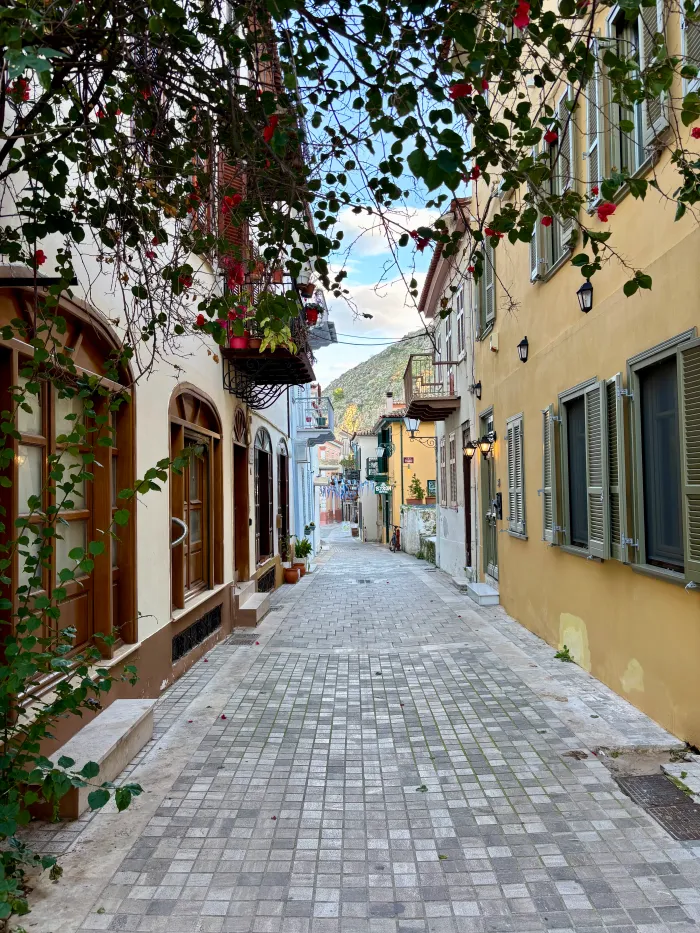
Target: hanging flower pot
[[239, 343], [307, 290], [311, 316]]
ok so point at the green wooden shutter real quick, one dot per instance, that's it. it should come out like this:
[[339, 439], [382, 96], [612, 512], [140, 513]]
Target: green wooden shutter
[[617, 468], [597, 472], [489, 282], [654, 111], [535, 252], [516, 480], [594, 127], [565, 166], [689, 377], [549, 476]]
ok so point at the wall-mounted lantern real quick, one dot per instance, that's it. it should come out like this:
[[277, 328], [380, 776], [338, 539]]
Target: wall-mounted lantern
[[585, 296]]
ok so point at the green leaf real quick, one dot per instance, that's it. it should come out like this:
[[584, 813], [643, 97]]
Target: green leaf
[[121, 517], [65, 762], [76, 553], [98, 798], [122, 797], [96, 547], [90, 770], [680, 210], [630, 287]]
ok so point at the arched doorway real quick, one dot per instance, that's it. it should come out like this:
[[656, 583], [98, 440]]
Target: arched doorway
[[241, 516], [263, 496], [283, 489], [195, 496]]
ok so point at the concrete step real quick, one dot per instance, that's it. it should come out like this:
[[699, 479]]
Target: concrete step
[[111, 739], [482, 594], [461, 582], [243, 592], [253, 610]]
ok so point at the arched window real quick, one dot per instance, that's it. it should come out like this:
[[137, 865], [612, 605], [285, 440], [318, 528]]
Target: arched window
[[104, 600], [283, 489], [196, 494], [263, 496]]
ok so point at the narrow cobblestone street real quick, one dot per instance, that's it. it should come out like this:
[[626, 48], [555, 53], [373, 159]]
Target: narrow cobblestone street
[[389, 759]]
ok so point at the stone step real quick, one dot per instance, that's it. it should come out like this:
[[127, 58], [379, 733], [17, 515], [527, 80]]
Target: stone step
[[253, 610], [482, 594], [461, 582], [243, 592], [111, 739]]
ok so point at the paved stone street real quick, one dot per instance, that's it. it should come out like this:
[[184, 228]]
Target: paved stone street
[[389, 760]]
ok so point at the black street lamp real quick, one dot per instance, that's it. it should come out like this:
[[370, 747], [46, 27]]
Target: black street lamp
[[475, 389], [585, 296], [470, 448], [523, 347]]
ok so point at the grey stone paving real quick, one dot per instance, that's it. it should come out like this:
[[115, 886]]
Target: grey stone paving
[[382, 769]]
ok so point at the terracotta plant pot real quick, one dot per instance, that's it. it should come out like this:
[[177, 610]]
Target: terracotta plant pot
[[254, 343], [311, 316], [239, 343], [307, 290], [291, 575], [414, 502], [300, 566], [355, 532]]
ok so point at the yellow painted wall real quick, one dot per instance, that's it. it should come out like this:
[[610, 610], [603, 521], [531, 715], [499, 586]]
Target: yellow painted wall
[[423, 464], [638, 634]]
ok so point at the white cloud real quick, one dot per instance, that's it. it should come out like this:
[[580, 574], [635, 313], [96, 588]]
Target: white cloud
[[393, 313], [366, 233]]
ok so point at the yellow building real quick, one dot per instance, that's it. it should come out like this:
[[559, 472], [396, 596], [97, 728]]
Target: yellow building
[[597, 449], [404, 457]]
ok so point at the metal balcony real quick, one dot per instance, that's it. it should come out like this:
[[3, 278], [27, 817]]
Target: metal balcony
[[314, 420], [429, 388]]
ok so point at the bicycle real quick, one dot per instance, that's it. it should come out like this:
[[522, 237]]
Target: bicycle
[[395, 543]]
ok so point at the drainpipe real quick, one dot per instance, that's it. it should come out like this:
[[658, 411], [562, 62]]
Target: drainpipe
[[438, 490], [403, 501]]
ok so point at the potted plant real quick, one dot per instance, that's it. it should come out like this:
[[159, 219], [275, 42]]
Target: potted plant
[[254, 342], [306, 289], [312, 525], [416, 493], [302, 550], [312, 311], [291, 573], [239, 343]]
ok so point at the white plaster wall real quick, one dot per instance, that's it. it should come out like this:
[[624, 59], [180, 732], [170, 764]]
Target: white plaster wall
[[416, 520]]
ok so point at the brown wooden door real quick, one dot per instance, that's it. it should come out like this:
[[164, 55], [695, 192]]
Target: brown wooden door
[[196, 512], [241, 516]]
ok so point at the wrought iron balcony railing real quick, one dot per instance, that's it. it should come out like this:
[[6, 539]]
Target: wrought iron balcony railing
[[429, 388]]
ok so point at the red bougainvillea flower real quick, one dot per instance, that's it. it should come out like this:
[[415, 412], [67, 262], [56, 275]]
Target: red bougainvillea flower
[[146, 93], [421, 243], [521, 20], [546, 221], [489, 231], [461, 89], [695, 132], [39, 257], [201, 320], [269, 130], [604, 210], [155, 241], [484, 82], [230, 202], [594, 191], [475, 172], [470, 270], [100, 113], [274, 817], [550, 136], [19, 89], [235, 274], [223, 716], [150, 254], [414, 234], [185, 281]]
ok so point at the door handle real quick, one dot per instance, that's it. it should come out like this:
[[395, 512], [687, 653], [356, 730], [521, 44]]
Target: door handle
[[185, 530]]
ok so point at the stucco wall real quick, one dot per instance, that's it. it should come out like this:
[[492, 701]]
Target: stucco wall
[[416, 520], [640, 635]]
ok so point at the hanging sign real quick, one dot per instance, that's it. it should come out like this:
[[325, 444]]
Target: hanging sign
[[408, 459], [431, 484], [382, 488]]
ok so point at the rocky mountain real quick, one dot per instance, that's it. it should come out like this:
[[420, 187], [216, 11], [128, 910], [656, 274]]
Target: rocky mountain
[[359, 394]]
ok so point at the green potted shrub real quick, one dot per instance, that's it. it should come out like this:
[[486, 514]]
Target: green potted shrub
[[416, 493], [302, 551], [291, 573]]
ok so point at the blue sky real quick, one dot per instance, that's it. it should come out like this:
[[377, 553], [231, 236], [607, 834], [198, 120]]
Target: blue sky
[[375, 288]]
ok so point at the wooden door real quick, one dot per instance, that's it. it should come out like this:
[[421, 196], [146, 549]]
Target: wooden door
[[196, 517], [488, 467], [240, 511], [467, 477]]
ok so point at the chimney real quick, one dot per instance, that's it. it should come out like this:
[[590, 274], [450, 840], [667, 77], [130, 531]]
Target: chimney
[[389, 403]]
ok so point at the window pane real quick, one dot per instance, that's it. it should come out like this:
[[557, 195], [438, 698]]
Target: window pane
[[65, 407], [661, 465], [194, 477], [73, 465], [33, 548], [29, 471], [30, 422], [115, 490], [195, 526], [578, 491], [73, 534]]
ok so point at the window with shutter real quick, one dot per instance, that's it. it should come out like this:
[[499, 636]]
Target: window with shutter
[[691, 49], [516, 484], [459, 304], [564, 172], [443, 474], [654, 111], [549, 476], [453, 471], [689, 363], [487, 299]]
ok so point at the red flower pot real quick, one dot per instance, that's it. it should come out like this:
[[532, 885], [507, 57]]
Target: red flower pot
[[239, 343], [311, 316]]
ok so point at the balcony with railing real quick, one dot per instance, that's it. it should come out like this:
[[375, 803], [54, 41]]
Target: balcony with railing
[[429, 388], [314, 420]]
